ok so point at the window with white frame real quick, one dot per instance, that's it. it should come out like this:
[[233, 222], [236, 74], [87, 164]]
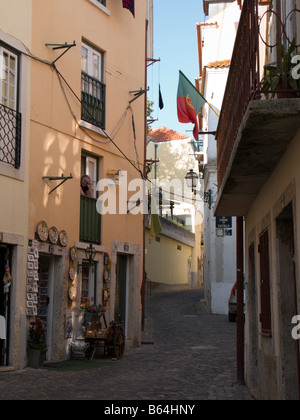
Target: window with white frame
[[92, 86], [10, 118], [9, 78], [88, 288], [102, 2], [89, 167]]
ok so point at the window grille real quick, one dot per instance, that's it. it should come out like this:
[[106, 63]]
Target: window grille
[[93, 100], [10, 136]]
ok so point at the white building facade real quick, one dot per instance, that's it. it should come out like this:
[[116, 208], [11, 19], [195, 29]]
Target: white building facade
[[216, 38]]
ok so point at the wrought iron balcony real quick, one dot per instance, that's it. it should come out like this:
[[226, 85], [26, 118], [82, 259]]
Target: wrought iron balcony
[[93, 100], [90, 221], [253, 131], [10, 136]]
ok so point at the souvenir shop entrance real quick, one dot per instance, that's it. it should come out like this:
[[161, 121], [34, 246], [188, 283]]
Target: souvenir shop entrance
[[5, 281], [45, 298]]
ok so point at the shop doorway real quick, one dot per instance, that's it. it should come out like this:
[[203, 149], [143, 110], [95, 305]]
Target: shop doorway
[[121, 303], [45, 298], [252, 305], [288, 302], [5, 261]]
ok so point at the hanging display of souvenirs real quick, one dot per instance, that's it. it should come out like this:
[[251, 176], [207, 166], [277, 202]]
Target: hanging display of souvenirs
[[72, 270], [6, 280], [106, 279], [33, 276]]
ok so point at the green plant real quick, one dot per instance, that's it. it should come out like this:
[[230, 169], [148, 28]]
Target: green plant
[[37, 340], [94, 309], [279, 76]]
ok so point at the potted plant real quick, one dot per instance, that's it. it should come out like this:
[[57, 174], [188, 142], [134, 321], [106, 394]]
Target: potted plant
[[37, 347], [279, 77], [92, 313]]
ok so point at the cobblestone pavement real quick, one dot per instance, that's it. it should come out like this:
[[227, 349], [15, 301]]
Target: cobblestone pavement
[[192, 358]]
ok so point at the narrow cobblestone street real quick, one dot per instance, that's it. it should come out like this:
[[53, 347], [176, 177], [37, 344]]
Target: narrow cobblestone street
[[188, 355]]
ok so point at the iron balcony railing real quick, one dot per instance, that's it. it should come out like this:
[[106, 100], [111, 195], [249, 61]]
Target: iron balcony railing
[[243, 82], [90, 221], [93, 100], [10, 136], [244, 79]]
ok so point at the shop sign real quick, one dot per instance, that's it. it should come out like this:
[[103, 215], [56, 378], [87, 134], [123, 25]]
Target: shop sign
[[224, 222]]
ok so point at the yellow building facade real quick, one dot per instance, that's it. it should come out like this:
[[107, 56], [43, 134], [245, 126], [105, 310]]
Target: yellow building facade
[[87, 61], [174, 257], [14, 173]]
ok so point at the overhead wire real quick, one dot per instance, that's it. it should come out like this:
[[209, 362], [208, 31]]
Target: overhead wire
[[104, 131], [110, 138]]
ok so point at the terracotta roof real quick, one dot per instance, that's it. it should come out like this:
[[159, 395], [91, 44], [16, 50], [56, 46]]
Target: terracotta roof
[[163, 134], [215, 64]]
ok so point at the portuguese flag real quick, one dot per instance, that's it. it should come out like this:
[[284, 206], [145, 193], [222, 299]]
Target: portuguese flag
[[189, 103]]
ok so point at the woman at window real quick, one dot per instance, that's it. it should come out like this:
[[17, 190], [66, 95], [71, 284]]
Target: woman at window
[[86, 186]]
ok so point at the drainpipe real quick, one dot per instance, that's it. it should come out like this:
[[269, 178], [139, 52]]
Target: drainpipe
[[143, 288], [240, 300]]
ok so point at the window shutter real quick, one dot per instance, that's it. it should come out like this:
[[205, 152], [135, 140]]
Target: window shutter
[[265, 290]]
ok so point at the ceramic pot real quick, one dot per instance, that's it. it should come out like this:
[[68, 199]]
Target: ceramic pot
[[36, 358], [79, 347]]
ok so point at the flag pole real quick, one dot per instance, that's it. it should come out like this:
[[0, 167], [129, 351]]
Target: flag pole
[[213, 109]]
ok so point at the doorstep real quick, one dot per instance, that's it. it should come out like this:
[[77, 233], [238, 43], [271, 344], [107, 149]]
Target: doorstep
[[4, 369]]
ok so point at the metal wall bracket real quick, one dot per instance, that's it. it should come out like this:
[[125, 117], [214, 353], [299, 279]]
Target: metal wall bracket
[[57, 178], [137, 94], [59, 47]]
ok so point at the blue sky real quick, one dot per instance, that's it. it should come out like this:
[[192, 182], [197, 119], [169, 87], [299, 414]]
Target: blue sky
[[175, 44]]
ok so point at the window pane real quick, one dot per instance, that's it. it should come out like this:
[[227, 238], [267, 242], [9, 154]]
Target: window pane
[[5, 73], [12, 63], [84, 59], [12, 78], [4, 89], [96, 66], [12, 93], [5, 59]]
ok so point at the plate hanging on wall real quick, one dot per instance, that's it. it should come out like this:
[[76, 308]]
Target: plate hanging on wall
[[63, 238], [42, 231], [53, 235]]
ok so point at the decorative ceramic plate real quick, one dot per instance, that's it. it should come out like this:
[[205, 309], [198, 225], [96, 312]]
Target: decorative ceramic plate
[[53, 235], [73, 293], [42, 231], [63, 238], [72, 273], [73, 253]]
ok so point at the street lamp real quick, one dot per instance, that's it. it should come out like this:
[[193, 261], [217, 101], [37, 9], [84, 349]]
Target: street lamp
[[90, 254], [191, 180]]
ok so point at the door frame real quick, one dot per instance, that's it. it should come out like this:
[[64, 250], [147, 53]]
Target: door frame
[[126, 297], [134, 309]]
